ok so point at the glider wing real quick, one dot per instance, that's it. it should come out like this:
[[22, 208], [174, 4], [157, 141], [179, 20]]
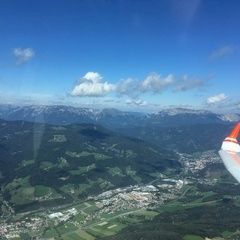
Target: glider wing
[[230, 153]]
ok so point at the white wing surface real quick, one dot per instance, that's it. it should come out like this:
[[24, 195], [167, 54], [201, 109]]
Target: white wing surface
[[230, 153], [231, 161]]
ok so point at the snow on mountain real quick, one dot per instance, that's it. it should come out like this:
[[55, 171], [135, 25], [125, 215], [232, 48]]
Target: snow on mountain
[[110, 117], [230, 117], [177, 111]]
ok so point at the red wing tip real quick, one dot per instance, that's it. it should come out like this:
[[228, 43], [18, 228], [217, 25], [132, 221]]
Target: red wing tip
[[235, 132]]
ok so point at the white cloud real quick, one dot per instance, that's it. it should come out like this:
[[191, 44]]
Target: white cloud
[[136, 102], [93, 77], [153, 83], [92, 84], [129, 87], [23, 55], [156, 83], [186, 83], [217, 98], [222, 52]]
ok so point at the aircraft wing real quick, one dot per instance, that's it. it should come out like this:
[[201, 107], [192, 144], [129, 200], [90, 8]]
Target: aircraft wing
[[230, 153], [231, 161]]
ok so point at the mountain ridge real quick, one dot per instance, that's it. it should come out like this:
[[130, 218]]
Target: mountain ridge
[[110, 117]]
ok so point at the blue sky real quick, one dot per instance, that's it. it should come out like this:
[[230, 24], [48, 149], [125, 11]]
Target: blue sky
[[140, 54]]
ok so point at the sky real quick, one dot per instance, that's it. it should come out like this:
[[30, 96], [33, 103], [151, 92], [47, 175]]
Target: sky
[[140, 55]]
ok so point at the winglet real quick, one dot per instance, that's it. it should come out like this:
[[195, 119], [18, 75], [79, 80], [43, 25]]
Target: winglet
[[230, 143]]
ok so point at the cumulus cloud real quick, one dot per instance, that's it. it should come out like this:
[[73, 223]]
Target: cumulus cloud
[[217, 98], [156, 83], [222, 52], [136, 102], [23, 55], [153, 83], [186, 83], [129, 87], [92, 84]]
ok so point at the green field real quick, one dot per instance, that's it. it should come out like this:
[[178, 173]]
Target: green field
[[192, 237]]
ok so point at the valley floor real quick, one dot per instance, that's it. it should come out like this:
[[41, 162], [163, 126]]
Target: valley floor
[[110, 213]]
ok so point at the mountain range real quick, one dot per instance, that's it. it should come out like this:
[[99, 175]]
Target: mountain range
[[112, 118], [178, 129]]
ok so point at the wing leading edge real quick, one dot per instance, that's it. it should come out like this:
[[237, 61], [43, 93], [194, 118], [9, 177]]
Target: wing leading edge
[[230, 153]]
